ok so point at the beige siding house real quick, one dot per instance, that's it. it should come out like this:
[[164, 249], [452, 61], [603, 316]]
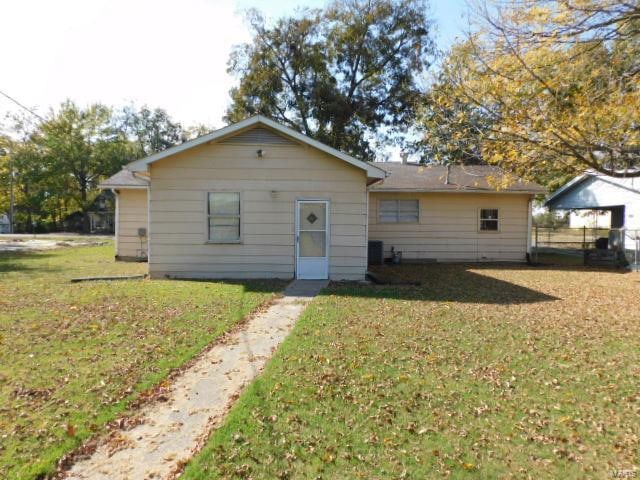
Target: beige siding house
[[259, 200]]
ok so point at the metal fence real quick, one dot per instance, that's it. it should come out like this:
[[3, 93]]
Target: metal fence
[[567, 238], [632, 248], [575, 241]]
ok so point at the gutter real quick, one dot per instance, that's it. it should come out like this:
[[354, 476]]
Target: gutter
[[453, 190]]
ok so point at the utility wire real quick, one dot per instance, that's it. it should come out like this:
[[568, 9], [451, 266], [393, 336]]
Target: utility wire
[[22, 106]]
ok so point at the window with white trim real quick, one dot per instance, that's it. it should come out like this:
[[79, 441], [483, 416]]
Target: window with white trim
[[223, 212], [398, 211], [489, 220]]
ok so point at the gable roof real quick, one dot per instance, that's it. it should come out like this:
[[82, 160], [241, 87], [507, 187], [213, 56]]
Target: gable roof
[[141, 165], [412, 177], [124, 179], [624, 183]]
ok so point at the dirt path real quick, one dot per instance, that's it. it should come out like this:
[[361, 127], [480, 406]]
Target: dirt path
[[170, 432]]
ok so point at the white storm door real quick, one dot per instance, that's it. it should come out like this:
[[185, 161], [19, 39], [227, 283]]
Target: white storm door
[[312, 239]]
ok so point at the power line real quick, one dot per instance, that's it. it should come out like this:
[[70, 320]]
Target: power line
[[22, 106]]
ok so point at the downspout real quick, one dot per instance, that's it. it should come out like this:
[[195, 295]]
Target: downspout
[[366, 231], [149, 227], [116, 219]]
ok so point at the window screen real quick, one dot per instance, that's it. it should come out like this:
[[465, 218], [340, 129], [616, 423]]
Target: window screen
[[398, 211], [489, 219]]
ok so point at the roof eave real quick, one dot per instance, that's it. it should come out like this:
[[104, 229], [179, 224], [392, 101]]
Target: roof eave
[[565, 188], [460, 190], [109, 186]]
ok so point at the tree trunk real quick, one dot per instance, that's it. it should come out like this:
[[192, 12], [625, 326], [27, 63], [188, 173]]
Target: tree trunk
[[86, 222]]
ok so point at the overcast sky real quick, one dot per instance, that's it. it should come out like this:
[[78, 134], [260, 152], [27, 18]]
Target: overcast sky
[[163, 53]]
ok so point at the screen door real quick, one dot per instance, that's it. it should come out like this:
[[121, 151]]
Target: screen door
[[312, 239]]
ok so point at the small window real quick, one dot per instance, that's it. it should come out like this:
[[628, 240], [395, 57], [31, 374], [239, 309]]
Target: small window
[[489, 219], [398, 211], [223, 211]]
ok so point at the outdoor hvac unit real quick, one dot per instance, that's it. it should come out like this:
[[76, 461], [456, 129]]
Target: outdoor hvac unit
[[375, 252]]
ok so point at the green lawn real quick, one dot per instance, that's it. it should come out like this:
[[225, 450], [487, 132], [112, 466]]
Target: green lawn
[[479, 372], [74, 356]]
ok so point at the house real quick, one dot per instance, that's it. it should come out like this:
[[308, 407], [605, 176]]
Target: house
[[257, 199], [99, 220], [596, 191]]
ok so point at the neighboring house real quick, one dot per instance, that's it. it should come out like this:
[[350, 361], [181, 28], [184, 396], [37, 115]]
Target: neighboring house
[[595, 191], [5, 223], [259, 200], [100, 219]]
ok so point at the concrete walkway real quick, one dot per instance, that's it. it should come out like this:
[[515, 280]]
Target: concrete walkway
[[171, 432]]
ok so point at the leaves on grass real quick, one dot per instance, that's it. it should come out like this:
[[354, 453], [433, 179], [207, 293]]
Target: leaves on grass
[[74, 356], [481, 371]]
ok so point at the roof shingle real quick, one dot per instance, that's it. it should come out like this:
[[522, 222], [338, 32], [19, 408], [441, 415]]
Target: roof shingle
[[440, 178]]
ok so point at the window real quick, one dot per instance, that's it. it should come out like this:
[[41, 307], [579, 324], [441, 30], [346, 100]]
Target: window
[[398, 211], [223, 212], [489, 219]]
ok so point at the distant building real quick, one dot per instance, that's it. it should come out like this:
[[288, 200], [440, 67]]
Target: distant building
[[5, 224], [620, 197], [100, 219]]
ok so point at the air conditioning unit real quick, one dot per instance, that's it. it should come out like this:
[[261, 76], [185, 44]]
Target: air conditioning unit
[[375, 252]]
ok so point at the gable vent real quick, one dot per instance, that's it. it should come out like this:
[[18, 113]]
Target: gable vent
[[260, 136]]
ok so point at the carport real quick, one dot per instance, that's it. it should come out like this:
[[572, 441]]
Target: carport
[[621, 196]]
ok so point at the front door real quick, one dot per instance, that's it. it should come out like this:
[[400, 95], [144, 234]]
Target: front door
[[312, 239]]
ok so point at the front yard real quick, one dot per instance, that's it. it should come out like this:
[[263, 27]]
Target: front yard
[[481, 372], [74, 356]]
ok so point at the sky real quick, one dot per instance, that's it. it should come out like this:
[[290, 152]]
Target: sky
[[162, 53]]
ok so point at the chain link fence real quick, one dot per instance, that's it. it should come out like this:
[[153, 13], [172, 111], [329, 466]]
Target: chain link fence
[[571, 246]]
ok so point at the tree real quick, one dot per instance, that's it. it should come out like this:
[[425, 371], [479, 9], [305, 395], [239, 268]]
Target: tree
[[79, 147], [58, 162], [151, 130], [558, 81], [451, 128], [343, 75], [23, 160]]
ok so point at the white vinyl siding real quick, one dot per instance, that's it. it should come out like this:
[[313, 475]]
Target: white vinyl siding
[[448, 229], [223, 217], [399, 211]]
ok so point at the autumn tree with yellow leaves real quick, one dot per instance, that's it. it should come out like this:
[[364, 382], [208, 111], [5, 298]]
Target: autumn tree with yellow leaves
[[544, 89]]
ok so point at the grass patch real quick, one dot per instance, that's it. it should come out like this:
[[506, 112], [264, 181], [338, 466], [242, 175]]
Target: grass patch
[[481, 372], [73, 356]]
